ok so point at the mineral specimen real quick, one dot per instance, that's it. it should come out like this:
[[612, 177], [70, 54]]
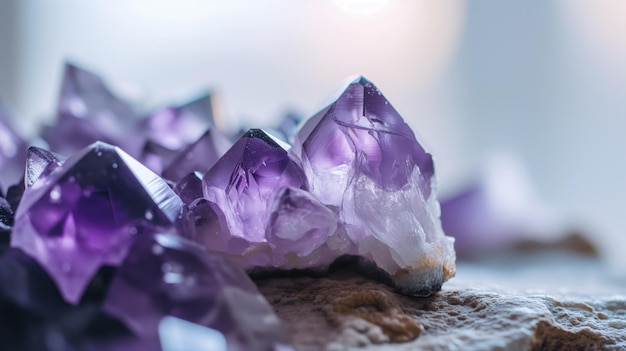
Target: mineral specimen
[[177, 127], [243, 184], [357, 182], [85, 213], [88, 111], [199, 156], [39, 164], [165, 275]]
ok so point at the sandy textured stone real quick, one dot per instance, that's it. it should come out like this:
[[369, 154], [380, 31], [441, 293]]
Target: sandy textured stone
[[523, 303]]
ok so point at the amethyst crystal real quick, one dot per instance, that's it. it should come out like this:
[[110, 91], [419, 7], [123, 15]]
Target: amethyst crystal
[[165, 275], [363, 159], [39, 164], [189, 188], [156, 156], [177, 127], [199, 156], [12, 150], [498, 211], [243, 184], [289, 125], [85, 213], [88, 112]]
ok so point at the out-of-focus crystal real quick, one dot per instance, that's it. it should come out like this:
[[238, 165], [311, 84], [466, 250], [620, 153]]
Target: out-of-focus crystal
[[199, 156], [165, 275]]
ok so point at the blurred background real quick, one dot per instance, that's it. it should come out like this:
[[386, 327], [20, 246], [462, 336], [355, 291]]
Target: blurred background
[[542, 80]]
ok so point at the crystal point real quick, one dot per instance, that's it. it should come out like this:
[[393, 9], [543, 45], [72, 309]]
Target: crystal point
[[40, 163], [85, 213], [166, 275], [199, 156], [243, 184]]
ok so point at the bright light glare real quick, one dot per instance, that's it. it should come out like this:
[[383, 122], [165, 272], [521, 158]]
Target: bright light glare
[[361, 6]]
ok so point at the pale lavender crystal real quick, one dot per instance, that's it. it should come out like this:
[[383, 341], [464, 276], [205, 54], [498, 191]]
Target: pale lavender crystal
[[85, 213], [243, 184], [199, 156], [88, 112], [166, 275], [12, 150], [40, 163], [289, 125], [156, 156], [177, 127], [362, 158], [499, 210]]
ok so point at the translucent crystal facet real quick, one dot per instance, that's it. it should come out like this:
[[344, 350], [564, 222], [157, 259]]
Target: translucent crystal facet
[[85, 213], [177, 127], [361, 157], [243, 184], [40, 163], [166, 275], [199, 156]]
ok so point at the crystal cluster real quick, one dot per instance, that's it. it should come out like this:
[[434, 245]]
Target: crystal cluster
[[356, 182], [139, 239]]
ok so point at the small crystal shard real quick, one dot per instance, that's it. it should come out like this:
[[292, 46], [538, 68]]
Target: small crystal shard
[[199, 156], [165, 275], [243, 184], [177, 127], [84, 214], [40, 163], [189, 188]]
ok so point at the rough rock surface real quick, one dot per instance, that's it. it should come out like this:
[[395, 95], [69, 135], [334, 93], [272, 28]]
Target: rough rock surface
[[543, 302]]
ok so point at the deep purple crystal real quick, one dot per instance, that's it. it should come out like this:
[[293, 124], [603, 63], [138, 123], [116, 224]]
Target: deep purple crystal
[[88, 112], [166, 275], [85, 213], [156, 157], [177, 127], [189, 188], [243, 184], [199, 156]]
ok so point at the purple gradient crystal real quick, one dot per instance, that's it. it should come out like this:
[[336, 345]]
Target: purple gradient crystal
[[39, 164], [189, 188], [499, 210], [88, 112], [166, 275], [243, 184], [12, 150], [360, 130], [362, 158], [199, 156], [177, 127], [156, 157], [85, 213]]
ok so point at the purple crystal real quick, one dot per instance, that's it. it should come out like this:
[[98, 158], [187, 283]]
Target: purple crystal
[[299, 225], [189, 188], [199, 156], [88, 112], [39, 164], [166, 275], [362, 158], [243, 184], [177, 127], [85, 213], [156, 157], [12, 150], [498, 211]]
